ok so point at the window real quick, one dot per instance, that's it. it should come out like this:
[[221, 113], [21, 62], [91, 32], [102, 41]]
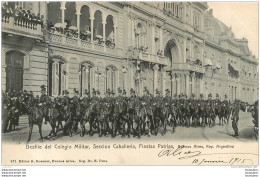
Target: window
[[111, 78], [86, 77], [140, 36], [14, 70], [57, 77]]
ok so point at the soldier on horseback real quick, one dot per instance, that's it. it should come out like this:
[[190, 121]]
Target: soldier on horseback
[[235, 116], [210, 108], [74, 106], [44, 103]]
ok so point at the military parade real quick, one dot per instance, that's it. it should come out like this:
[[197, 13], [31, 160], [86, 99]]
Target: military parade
[[118, 115]]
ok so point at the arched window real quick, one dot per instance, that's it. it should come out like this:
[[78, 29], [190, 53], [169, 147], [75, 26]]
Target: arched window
[[139, 36], [111, 78], [84, 19], [86, 77], [70, 14], [110, 27], [54, 13], [57, 76], [98, 26], [14, 70]]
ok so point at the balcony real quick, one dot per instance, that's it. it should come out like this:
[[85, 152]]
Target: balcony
[[188, 67], [21, 27], [159, 59], [56, 37]]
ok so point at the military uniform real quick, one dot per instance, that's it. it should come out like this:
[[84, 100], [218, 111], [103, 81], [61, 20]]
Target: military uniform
[[235, 117], [44, 103], [66, 99]]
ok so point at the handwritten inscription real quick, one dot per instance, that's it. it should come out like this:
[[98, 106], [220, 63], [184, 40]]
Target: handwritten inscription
[[199, 158]]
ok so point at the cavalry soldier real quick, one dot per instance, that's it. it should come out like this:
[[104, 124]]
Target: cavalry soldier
[[66, 99], [119, 97], [86, 98], [146, 98], [225, 102], [157, 99], [75, 98], [235, 116], [75, 103], [210, 102], [107, 98], [124, 95], [44, 103], [175, 99], [217, 101], [167, 98], [94, 96], [98, 95]]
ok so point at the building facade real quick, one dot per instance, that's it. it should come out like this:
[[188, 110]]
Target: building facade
[[178, 46]]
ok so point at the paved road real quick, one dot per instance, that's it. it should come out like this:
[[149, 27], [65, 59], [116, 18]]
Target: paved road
[[216, 133]]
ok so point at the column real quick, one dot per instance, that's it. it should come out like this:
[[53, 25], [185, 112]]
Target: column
[[78, 24], [163, 80], [115, 33], [133, 31], [78, 21], [193, 82], [184, 47], [153, 36], [201, 85], [235, 92], [184, 15], [202, 53], [178, 84], [187, 84], [53, 78], [173, 84], [104, 33], [191, 15], [63, 8], [191, 50], [92, 33], [155, 77], [182, 83], [202, 22], [161, 39]]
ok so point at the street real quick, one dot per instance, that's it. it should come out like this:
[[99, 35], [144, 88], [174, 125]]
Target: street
[[216, 133]]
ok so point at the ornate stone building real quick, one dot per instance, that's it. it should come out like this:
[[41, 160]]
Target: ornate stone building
[[178, 46]]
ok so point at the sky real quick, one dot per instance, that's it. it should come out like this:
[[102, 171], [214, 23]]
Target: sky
[[243, 19]]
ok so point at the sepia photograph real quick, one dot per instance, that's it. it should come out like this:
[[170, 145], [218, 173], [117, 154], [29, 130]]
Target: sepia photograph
[[129, 83]]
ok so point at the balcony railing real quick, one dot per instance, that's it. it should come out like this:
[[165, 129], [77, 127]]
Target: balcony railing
[[21, 26], [145, 56], [188, 67], [74, 41]]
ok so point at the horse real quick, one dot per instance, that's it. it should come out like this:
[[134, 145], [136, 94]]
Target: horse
[[165, 110], [202, 113], [147, 117], [135, 117], [223, 113], [102, 119], [210, 115], [53, 114], [74, 118], [187, 115], [194, 108], [120, 109], [35, 116], [5, 113], [173, 116], [182, 112], [218, 112]]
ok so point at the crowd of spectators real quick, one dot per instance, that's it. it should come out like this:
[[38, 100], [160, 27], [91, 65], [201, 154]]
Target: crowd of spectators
[[20, 14]]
